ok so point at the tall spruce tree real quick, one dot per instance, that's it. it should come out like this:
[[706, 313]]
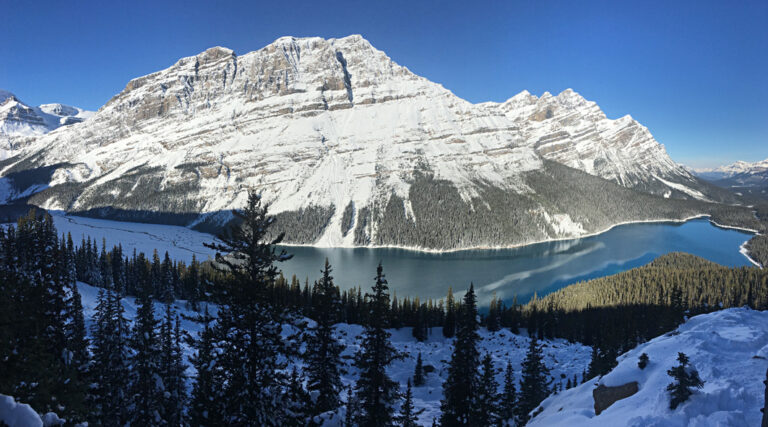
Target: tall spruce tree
[[172, 369], [508, 398], [111, 369], [534, 386], [323, 355], [685, 379], [449, 324], [376, 392], [204, 407], [79, 358], [298, 402], [249, 347], [409, 416], [146, 391], [460, 388], [486, 406], [418, 373], [419, 330]]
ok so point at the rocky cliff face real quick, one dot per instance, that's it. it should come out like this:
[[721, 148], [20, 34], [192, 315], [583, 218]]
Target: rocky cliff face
[[351, 149]]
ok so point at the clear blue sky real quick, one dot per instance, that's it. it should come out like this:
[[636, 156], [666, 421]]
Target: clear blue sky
[[695, 73]]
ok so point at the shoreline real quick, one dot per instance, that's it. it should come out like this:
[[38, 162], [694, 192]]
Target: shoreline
[[743, 250], [518, 245]]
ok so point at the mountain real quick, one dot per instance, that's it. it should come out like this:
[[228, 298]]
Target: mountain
[[19, 121], [352, 149], [744, 177], [737, 168], [728, 348]]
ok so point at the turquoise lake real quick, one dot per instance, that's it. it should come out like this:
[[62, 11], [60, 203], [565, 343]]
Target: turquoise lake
[[540, 268]]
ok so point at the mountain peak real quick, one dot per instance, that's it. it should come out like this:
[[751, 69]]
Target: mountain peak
[[4, 94]]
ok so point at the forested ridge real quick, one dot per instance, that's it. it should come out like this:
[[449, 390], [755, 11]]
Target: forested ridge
[[49, 360]]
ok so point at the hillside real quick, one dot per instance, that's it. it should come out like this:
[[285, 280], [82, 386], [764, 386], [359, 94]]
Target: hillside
[[728, 348]]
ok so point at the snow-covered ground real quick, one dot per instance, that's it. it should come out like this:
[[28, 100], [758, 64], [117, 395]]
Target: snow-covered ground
[[180, 242], [729, 348], [563, 358]]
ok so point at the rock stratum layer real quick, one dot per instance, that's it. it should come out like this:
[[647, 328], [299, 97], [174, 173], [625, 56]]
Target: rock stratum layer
[[351, 149]]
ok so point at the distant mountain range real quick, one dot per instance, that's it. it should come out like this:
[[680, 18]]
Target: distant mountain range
[[350, 149], [744, 177]]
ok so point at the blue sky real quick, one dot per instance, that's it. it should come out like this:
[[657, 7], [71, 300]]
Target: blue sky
[[695, 73]]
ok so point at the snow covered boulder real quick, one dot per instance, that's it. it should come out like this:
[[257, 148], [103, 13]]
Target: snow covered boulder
[[728, 350], [18, 414]]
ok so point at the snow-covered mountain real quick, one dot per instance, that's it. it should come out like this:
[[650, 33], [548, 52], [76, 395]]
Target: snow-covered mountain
[[738, 174], [19, 121], [352, 149], [728, 348]]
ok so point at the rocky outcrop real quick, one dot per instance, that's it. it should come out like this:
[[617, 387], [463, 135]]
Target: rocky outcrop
[[605, 396]]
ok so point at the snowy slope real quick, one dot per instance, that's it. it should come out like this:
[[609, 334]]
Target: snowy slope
[[562, 357], [181, 243], [729, 349], [331, 131]]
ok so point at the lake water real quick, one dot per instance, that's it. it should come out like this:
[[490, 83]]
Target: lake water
[[541, 268]]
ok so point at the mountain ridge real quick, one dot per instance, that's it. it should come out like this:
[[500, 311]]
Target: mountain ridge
[[337, 135]]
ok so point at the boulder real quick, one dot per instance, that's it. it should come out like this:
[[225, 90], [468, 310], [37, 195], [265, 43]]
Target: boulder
[[605, 396]]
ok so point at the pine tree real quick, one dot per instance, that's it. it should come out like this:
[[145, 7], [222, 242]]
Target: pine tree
[[167, 292], [420, 326], [79, 359], [685, 379], [677, 307], [486, 410], [110, 361], [642, 361], [204, 408], [146, 391], [508, 398], [172, 369], [493, 321], [192, 289], [408, 416], [323, 356], [460, 388], [449, 325], [418, 374], [534, 386], [376, 392], [249, 345], [298, 401]]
